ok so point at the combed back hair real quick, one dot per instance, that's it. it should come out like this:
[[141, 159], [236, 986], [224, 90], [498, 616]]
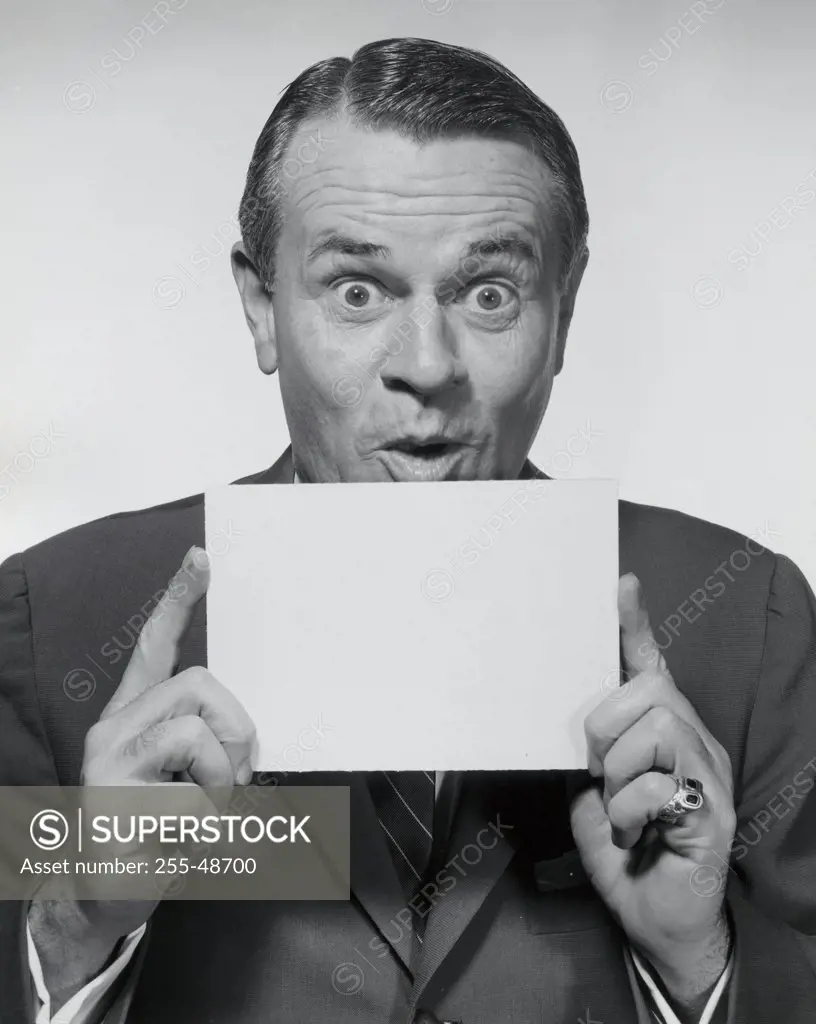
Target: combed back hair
[[425, 91]]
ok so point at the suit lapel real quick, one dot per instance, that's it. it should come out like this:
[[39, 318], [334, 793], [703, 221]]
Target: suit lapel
[[476, 825], [281, 472], [374, 880]]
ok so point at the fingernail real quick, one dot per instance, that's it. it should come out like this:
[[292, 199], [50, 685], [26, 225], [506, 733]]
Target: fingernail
[[196, 558], [244, 774]]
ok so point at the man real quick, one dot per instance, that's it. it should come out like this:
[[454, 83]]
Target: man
[[414, 232]]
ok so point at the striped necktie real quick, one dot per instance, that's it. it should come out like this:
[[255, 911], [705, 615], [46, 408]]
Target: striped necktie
[[404, 802]]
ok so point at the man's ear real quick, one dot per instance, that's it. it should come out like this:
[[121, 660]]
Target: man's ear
[[257, 303], [567, 306]]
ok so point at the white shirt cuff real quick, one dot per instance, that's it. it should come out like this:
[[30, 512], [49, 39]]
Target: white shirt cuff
[[659, 1000], [80, 1008]]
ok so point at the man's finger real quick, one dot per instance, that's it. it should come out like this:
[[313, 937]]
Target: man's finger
[[196, 692], [184, 744], [156, 653], [662, 741], [606, 723], [602, 860], [639, 804], [639, 648]]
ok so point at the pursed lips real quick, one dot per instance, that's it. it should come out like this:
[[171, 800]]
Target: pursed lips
[[428, 448], [433, 457]]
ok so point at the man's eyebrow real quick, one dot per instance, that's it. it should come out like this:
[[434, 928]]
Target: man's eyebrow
[[347, 246], [513, 245]]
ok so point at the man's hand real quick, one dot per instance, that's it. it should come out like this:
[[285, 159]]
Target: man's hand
[[654, 877], [157, 726]]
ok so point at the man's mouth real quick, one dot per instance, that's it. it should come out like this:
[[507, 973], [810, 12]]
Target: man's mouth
[[422, 460], [429, 450]]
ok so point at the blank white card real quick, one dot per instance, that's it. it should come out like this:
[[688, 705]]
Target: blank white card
[[411, 626]]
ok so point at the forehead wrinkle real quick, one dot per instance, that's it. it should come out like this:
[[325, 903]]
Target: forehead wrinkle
[[324, 215], [486, 233], [392, 216], [379, 187], [360, 196]]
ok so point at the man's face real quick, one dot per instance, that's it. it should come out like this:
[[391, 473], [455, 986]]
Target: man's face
[[415, 315]]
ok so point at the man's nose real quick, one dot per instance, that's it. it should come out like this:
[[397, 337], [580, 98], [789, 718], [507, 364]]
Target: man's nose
[[424, 355]]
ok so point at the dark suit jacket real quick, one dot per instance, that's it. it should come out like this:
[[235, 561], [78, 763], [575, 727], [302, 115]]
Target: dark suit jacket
[[522, 936]]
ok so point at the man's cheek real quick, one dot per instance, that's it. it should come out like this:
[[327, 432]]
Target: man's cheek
[[517, 366], [519, 396]]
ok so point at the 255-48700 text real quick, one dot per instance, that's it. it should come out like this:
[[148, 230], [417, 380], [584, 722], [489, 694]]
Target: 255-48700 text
[[207, 865]]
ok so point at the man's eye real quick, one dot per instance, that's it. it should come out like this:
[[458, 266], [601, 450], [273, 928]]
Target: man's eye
[[490, 297], [358, 294]]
